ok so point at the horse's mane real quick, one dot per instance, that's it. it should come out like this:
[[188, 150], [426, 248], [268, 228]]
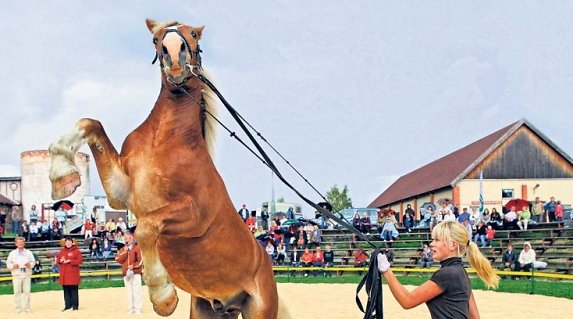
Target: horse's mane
[[212, 107], [166, 24]]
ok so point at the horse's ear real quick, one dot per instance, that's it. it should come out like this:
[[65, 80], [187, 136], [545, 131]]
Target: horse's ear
[[199, 31], [150, 24]]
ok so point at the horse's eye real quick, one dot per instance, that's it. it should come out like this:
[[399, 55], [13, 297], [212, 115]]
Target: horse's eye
[[154, 41], [193, 34]]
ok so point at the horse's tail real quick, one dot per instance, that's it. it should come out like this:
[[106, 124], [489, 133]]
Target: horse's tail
[[283, 309], [211, 106]]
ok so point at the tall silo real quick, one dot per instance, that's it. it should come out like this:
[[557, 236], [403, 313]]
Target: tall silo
[[36, 185]]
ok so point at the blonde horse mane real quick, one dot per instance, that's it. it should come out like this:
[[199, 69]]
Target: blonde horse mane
[[212, 107]]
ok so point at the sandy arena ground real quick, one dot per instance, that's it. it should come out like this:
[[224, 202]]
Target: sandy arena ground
[[305, 301]]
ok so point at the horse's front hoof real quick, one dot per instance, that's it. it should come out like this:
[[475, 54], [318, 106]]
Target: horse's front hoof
[[65, 186], [166, 307]]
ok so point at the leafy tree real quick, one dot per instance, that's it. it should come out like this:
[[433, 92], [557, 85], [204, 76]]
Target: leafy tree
[[339, 198]]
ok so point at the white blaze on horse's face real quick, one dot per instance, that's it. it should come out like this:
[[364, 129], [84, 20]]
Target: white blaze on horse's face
[[176, 56]]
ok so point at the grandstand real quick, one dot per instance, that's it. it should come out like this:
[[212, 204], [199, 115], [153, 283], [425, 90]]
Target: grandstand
[[552, 245]]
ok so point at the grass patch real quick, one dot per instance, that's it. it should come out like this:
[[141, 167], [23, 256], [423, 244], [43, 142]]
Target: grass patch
[[561, 289]]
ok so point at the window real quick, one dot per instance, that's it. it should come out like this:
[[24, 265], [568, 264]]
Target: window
[[507, 193]]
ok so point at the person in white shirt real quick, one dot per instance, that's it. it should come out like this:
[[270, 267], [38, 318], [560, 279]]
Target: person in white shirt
[[20, 262], [526, 257]]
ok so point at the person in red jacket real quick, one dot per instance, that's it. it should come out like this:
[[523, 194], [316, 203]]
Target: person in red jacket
[[69, 259]]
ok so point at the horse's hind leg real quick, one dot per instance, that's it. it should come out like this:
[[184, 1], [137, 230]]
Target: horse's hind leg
[[202, 309], [64, 174]]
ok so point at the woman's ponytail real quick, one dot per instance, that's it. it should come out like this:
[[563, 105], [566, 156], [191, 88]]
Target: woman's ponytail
[[482, 266]]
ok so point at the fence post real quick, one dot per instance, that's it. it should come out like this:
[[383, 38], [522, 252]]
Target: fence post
[[532, 292]]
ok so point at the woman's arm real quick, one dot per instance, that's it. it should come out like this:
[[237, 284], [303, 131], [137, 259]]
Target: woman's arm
[[473, 310], [407, 299]]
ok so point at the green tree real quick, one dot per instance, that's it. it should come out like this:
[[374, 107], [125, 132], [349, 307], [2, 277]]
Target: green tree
[[339, 198]]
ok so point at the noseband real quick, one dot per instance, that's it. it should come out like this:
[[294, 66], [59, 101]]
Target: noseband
[[195, 68]]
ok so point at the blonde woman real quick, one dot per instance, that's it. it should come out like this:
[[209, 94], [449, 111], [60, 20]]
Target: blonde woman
[[448, 293]]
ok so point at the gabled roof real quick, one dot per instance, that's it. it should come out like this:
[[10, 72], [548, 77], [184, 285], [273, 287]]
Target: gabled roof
[[452, 168]]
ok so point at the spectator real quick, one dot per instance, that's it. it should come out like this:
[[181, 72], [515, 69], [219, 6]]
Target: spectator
[[121, 225], [243, 213], [260, 231], [88, 228], [281, 254], [409, 218], [37, 269], [56, 229], [328, 259], [496, 219], [509, 259], [449, 216], [45, 230], [270, 250], [524, 216], [306, 260], [427, 219], [20, 262], [34, 231], [17, 219], [61, 215], [317, 259], [480, 233], [426, 259], [365, 224], [3, 215], [510, 219], [389, 230], [315, 236], [251, 222], [360, 258], [346, 259], [489, 235], [95, 250], [301, 235], [110, 226], [549, 208], [106, 249], [356, 222], [526, 257], [537, 210], [265, 218], [446, 209], [289, 213], [436, 218], [118, 240], [25, 229], [131, 267], [475, 217], [33, 214], [69, 260], [295, 257], [486, 217], [559, 212]]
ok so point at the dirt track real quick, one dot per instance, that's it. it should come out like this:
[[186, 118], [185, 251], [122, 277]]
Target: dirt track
[[305, 301]]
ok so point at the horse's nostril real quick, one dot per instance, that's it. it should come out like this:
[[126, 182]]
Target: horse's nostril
[[183, 48], [164, 49]]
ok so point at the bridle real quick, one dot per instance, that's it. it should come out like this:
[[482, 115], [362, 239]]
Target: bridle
[[195, 68]]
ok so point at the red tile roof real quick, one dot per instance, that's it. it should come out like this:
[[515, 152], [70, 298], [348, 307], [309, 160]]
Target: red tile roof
[[6, 200], [442, 172]]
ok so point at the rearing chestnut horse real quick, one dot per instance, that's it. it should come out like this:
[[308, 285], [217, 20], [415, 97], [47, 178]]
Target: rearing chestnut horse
[[188, 230]]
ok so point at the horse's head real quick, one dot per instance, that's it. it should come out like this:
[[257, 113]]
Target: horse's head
[[177, 48]]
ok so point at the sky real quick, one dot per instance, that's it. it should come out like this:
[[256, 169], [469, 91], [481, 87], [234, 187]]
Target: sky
[[354, 93]]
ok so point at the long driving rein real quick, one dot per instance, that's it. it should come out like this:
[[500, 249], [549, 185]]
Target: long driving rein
[[371, 280]]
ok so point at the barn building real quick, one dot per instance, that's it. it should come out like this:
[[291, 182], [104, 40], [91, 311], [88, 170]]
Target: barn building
[[517, 161]]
